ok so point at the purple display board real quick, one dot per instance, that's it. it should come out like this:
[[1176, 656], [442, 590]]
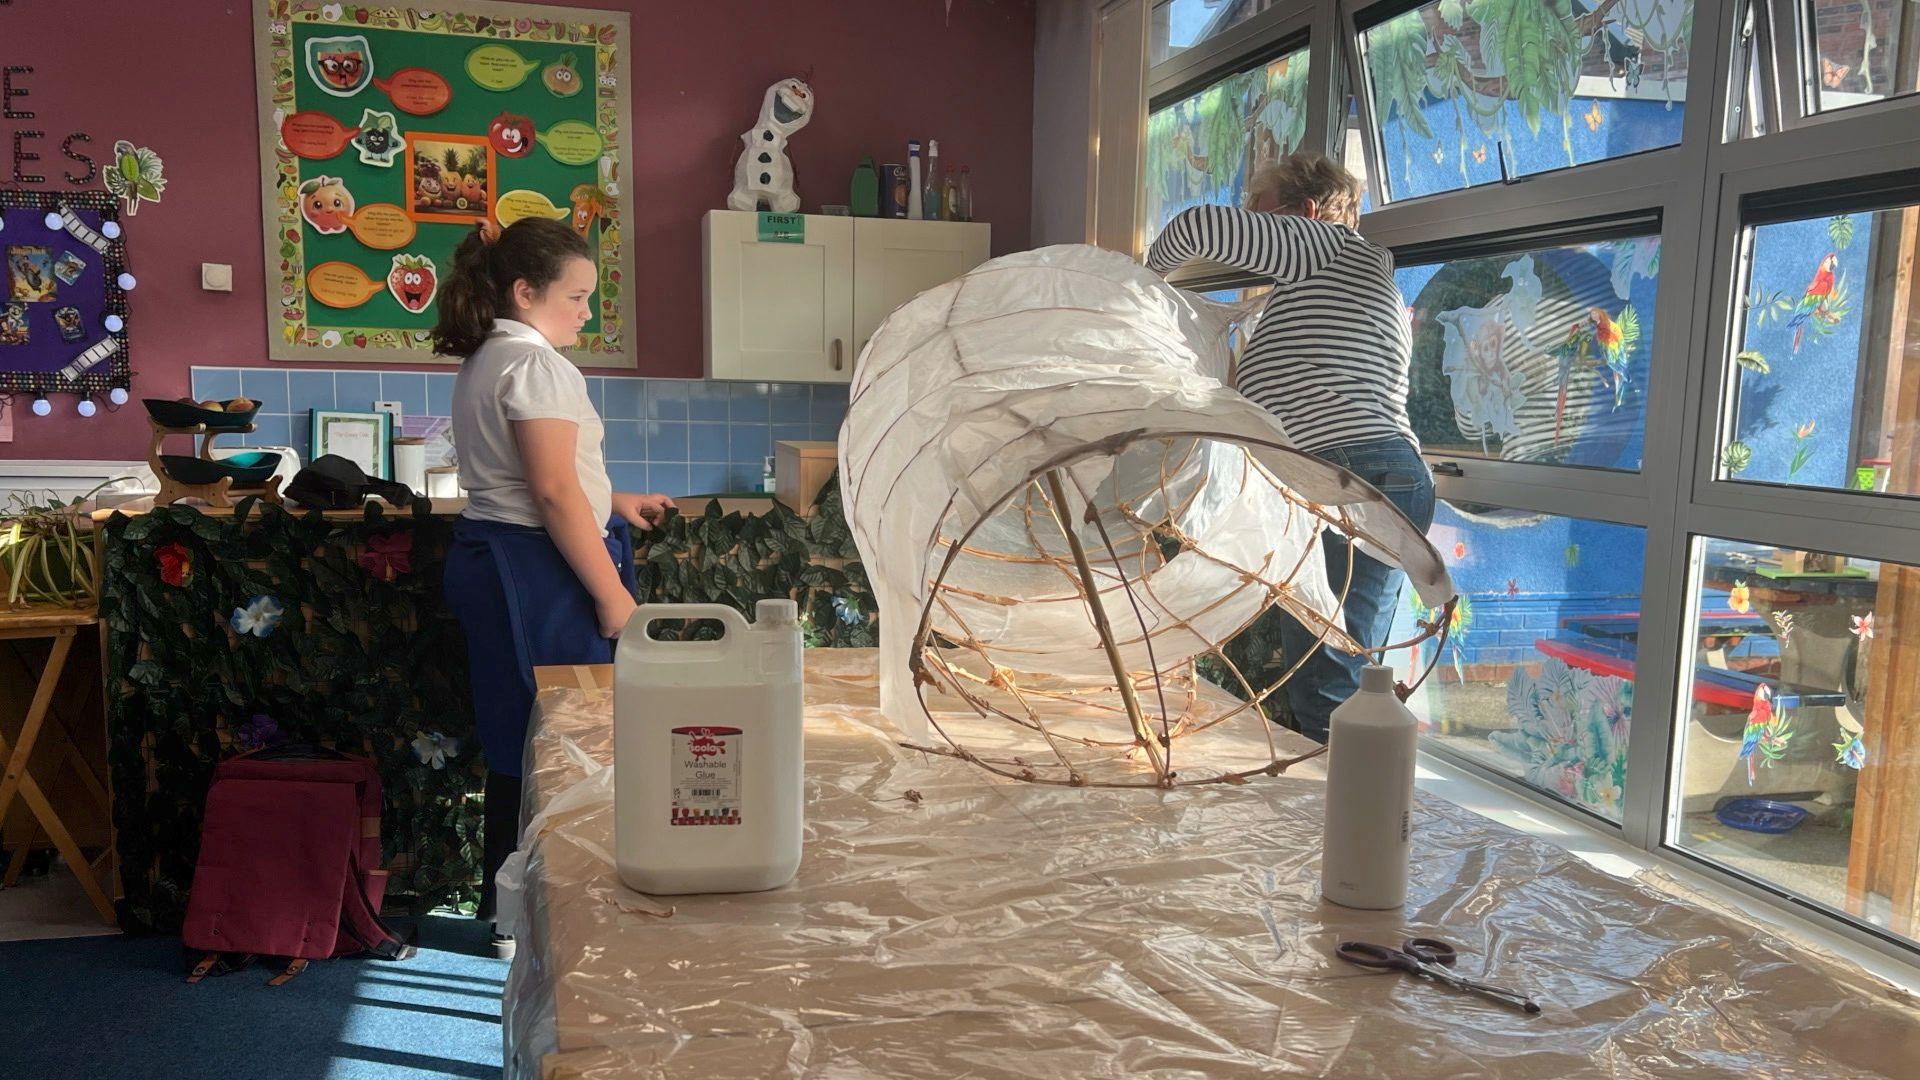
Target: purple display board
[[58, 290]]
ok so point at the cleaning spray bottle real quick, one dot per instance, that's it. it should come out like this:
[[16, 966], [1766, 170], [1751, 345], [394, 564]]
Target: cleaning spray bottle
[[707, 752], [1371, 743]]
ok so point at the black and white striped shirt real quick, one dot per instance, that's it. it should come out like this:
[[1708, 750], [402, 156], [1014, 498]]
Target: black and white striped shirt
[[1329, 355]]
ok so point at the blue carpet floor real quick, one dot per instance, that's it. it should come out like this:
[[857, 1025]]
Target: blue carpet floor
[[118, 1008]]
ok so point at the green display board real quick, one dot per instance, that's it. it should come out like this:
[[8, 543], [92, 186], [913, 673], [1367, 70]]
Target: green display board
[[390, 133]]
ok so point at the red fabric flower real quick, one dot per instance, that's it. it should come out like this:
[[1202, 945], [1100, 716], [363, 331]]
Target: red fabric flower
[[176, 564], [389, 556]]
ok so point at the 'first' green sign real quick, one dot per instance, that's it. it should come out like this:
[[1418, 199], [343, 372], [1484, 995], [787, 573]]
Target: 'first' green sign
[[782, 228]]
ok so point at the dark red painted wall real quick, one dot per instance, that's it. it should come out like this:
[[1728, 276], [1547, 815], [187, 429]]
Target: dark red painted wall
[[178, 76]]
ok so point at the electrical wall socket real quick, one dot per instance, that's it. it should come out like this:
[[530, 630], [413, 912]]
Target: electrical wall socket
[[390, 407]]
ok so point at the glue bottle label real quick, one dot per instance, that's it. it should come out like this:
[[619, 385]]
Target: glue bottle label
[[706, 775]]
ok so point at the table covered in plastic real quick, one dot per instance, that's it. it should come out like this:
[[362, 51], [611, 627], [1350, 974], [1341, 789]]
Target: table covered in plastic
[[949, 923]]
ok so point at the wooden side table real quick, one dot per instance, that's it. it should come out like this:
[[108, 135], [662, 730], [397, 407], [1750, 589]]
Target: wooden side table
[[62, 624]]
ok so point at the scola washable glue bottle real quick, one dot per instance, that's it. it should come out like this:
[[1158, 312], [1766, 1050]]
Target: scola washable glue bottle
[[707, 750], [1371, 743]]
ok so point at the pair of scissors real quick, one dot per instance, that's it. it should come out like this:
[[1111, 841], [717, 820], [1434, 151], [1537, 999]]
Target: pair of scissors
[[1433, 959]]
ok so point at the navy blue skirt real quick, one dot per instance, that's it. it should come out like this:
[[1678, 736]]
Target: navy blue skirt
[[521, 605]]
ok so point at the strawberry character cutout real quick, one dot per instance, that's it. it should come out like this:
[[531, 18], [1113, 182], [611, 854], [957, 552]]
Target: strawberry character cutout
[[413, 281]]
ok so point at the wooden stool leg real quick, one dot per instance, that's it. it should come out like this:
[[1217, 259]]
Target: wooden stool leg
[[19, 861], [63, 842], [36, 717]]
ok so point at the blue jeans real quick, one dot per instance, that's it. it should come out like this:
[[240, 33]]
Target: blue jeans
[[1330, 676]]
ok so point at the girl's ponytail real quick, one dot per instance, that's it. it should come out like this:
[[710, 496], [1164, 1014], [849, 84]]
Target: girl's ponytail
[[479, 286]]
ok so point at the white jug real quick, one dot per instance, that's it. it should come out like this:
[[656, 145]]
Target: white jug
[[708, 755]]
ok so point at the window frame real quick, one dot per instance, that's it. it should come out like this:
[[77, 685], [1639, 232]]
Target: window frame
[[1696, 188]]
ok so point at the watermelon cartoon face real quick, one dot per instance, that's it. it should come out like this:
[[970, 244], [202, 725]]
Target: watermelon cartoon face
[[413, 281]]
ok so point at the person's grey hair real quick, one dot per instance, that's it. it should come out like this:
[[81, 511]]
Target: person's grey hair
[[1294, 179]]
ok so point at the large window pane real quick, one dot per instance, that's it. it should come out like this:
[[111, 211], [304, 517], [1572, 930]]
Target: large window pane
[[1179, 25], [1538, 356], [1859, 51], [1536, 679], [1825, 379], [1469, 92], [1798, 759], [1204, 147]]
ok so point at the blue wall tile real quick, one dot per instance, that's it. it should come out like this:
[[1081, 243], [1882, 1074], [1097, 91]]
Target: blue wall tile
[[266, 386], [826, 432], [440, 395], [667, 399], [666, 441], [596, 393], [273, 430], [219, 384], [749, 442], [829, 405], [707, 479], [742, 477], [707, 401], [356, 391], [409, 388], [667, 478], [628, 476], [626, 440], [750, 403], [707, 442], [792, 403], [791, 433], [309, 390], [624, 398]]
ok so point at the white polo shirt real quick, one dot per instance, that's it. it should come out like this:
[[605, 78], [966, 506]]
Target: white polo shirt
[[518, 375]]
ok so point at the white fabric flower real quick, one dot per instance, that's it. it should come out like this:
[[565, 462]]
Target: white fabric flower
[[434, 749], [258, 618]]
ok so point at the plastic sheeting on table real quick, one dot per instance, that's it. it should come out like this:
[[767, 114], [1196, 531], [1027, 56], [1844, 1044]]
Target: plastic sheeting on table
[[1000, 929]]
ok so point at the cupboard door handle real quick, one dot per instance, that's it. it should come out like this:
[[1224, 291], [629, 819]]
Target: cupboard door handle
[[836, 354]]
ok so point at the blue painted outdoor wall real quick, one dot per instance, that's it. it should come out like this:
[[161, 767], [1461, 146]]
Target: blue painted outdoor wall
[[1817, 383], [1523, 575], [1599, 128]]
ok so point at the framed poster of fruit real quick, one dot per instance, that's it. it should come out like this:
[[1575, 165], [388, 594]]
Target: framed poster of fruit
[[389, 133]]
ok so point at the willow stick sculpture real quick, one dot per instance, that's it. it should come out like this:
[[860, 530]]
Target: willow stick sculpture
[[1063, 509]]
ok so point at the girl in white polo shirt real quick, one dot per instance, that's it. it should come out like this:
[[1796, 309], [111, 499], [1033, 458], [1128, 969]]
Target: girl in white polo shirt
[[541, 566]]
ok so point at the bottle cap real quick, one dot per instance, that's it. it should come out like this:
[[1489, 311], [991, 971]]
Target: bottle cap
[[1375, 679], [776, 613], [933, 146]]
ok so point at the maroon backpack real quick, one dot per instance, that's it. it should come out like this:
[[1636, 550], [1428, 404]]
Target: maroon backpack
[[289, 863]]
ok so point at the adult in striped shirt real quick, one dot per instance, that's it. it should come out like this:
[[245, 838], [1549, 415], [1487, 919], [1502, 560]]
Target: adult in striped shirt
[[1329, 358]]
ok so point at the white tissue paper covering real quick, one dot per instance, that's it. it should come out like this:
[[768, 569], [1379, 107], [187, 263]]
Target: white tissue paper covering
[[1077, 358]]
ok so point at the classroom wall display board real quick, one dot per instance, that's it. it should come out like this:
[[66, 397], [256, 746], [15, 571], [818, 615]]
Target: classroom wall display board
[[63, 308], [389, 133]]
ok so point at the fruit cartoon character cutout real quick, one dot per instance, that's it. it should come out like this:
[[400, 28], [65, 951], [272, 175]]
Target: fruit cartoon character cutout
[[341, 66], [326, 204], [511, 135], [560, 77], [589, 203], [379, 139], [413, 281]]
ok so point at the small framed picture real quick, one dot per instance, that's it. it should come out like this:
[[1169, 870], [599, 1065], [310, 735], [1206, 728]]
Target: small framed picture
[[364, 438]]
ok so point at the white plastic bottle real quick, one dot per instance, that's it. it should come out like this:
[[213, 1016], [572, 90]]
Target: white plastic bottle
[[1371, 742], [708, 754], [913, 180]]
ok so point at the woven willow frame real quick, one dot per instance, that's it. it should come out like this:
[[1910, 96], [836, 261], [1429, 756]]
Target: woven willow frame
[[1020, 699]]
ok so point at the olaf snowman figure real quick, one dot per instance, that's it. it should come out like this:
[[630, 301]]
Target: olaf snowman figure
[[763, 173]]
